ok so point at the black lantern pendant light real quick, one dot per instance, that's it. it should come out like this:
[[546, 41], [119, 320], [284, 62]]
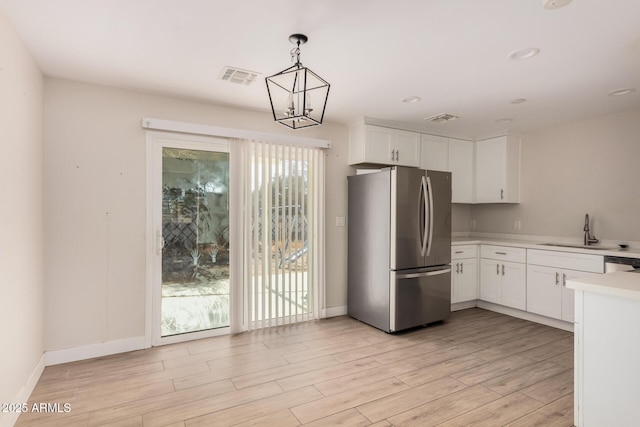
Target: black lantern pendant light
[[298, 96]]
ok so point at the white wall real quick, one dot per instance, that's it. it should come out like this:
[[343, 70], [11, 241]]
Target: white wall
[[591, 166], [95, 204], [21, 219]]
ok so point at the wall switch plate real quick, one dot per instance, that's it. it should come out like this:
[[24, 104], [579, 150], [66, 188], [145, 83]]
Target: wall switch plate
[[517, 224], [473, 223], [341, 221]]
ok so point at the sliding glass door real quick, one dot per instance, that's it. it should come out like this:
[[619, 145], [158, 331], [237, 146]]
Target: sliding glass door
[[191, 223]]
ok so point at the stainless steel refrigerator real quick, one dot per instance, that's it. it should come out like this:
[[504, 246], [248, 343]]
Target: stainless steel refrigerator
[[399, 231]]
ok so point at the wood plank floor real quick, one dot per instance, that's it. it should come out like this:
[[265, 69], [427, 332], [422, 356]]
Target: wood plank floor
[[479, 368]]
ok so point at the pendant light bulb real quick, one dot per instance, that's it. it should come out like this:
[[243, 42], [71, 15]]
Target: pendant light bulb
[[289, 112], [307, 107]]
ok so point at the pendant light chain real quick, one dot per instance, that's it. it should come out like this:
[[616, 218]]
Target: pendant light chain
[[295, 55]]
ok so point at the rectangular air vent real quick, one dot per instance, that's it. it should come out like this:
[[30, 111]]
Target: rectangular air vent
[[441, 118], [238, 76]]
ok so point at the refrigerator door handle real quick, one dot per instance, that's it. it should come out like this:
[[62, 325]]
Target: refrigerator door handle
[[423, 274], [424, 227], [430, 192]]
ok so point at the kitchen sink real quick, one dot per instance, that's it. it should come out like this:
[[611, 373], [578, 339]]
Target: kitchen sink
[[562, 245]]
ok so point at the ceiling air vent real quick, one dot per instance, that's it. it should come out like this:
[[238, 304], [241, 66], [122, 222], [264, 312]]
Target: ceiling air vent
[[238, 76], [441, 118]]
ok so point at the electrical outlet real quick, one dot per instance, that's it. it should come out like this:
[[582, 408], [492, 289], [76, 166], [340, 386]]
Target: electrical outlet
[[517, 224], [340, 221], [473, 223]]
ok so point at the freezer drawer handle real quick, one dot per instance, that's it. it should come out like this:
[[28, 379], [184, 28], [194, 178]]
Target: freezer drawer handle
[[426, 274]]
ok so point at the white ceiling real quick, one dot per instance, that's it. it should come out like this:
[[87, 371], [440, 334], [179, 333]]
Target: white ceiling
[[451, 53]]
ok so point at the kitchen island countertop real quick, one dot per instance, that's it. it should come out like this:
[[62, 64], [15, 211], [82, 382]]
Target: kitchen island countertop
[[622, 284]]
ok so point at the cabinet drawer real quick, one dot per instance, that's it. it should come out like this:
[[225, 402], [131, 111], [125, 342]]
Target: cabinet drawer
[[503, 253], [464, 251], [567, 260]]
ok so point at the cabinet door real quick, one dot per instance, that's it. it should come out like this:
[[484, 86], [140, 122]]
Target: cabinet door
[[490, 280], [378, 143], [568, 295], [434, 153], [467, 289], [544, 291], [514, 285], [407, 146], [491, 157], [455, 280], [461, 168]]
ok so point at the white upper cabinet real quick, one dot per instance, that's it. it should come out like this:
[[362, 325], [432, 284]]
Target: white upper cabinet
[[434, 153], [384, 146], [450, 155], [461, 168], [486, 171], [498, 170]]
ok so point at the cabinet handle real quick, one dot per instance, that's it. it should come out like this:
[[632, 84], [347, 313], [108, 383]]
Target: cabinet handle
[[457, 267], [503, 269], [459, 252], [497, 268], [501, 253], [564, 279], [461, 267], [557, 277], [397, 155], [501, 194]]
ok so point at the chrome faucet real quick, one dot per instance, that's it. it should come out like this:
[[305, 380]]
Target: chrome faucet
[[588, 238]]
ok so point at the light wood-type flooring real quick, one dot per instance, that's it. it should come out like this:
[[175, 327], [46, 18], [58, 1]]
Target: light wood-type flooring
[[479, 368]]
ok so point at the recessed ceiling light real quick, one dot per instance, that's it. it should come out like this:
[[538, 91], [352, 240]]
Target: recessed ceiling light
[[525, 53], [504, 120], [555, 4], [622, 92], [411, 99], [518, 101]]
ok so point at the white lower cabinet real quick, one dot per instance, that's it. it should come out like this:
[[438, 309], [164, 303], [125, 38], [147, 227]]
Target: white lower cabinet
[[503, 278], [464, 273], [547, 275], [547, 292]]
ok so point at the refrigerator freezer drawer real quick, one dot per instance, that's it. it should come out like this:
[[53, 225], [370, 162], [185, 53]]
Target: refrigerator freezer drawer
[[419, 298]]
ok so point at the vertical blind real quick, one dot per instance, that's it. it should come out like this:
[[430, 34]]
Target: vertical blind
[[283, 233]]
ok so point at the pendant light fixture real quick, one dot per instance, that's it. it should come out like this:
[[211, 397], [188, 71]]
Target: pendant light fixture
[[298, 96]]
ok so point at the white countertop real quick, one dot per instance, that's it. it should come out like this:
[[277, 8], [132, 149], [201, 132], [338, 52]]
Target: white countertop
[[539, 244], [620, 284]]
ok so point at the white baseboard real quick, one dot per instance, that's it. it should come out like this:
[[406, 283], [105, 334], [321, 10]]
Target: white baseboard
[[548, 321], [340, 310], [57, 357], [463, 305], [10, 418]]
